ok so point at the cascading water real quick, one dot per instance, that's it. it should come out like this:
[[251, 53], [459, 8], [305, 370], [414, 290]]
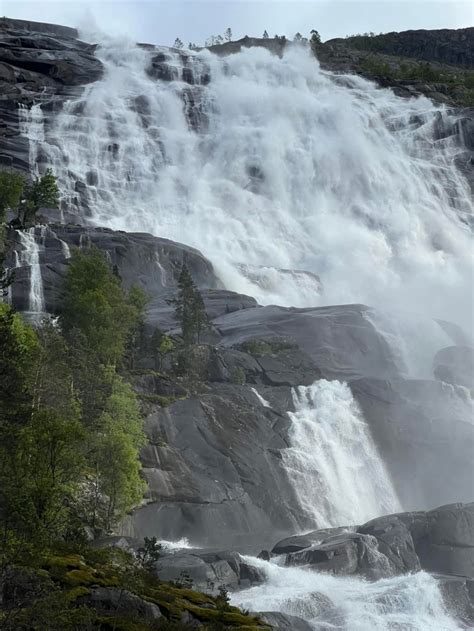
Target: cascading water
[[30, 256], [271, 164], [408, 603], [333, 463]]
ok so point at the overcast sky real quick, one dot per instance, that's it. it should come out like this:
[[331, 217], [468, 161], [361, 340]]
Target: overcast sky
[[160, 21]]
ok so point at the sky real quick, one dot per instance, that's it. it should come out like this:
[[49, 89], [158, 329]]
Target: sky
[[160, 21]]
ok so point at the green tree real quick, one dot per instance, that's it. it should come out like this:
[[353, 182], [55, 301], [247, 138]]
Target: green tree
[[11, 191], [189, 308], [114, 482], [18, 350], [161, 345], [42, 192], [315, 38], [95, 305], [138, 300]]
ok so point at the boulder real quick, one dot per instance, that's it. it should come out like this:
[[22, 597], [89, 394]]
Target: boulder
[[448, 546], [346, 554], [300, 542], [394, 541], [116, 601], [458, 596], [208, 570]]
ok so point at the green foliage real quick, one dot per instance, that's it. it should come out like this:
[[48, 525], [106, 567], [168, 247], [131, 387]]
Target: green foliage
[[258, 348], [315, 38], [18, 349], [95, 306], [42, 192], [161, 345], [114, 484], [189, 308], [11, 190], [238, 376], [149, 553]]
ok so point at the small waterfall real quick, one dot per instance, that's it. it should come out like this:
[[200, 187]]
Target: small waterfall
[[263, 401], [412, 602], [66, 249], [333, 462], [30, 256]]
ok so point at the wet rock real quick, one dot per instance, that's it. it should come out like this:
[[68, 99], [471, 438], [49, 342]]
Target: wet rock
[[300, 542], [458, 596], [208, 570], [455, 364], [346, 554], [448, 545], [283, 622], [420, 426], [39, 64]]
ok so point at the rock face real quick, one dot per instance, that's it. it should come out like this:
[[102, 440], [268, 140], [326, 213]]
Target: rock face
[[39, 63], [207, 480], [421, 426], [142, 259], [439, 541]]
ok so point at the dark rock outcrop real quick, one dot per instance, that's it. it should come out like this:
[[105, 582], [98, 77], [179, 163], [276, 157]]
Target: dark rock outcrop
[[39, 63], [300, 542], [113, 599], [361, 554], [151, 262], [440, 541], [208, 570]]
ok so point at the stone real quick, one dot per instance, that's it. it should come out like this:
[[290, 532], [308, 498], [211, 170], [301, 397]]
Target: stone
[[208, 569], [112, 599], [346, 554], [283, 622], [300, 542]]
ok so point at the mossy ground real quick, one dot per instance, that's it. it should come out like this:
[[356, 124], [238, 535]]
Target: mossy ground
[[77, 573]]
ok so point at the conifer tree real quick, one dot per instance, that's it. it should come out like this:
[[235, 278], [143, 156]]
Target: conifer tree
[[189, 308]]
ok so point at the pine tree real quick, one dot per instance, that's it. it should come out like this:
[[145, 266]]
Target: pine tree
[[265, 34], [189, 308], [178, 43], [228, 34]]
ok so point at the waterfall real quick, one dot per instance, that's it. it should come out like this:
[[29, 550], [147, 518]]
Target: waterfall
[[271, 165], [411, 602], [30, 256], [332, 461]]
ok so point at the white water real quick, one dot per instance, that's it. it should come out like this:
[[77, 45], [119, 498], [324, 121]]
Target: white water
[[333, 463], [295, 168], [261, 400], [405, 603], [30, 256]]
